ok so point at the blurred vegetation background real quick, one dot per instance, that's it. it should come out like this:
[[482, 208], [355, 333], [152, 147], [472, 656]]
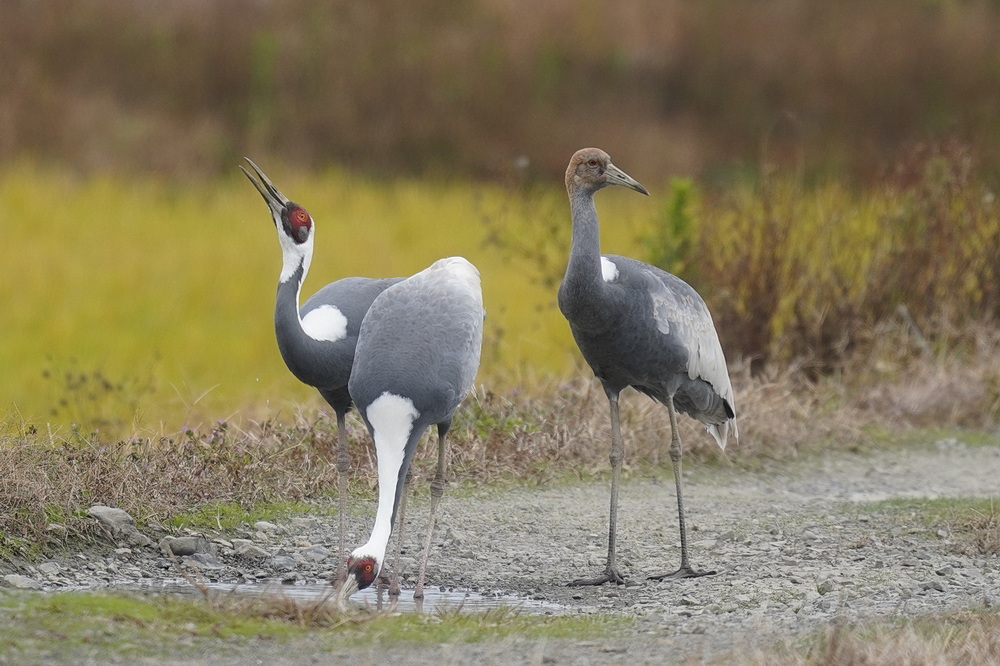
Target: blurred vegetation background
[[823, 173], [467, 88]]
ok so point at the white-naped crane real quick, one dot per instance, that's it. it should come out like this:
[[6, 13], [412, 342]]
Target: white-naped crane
[[417, 356], [317, 340], [640, 326]]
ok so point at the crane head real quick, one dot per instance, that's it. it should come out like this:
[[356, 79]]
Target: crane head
[[361, 573], [591, 169], [290, 218]]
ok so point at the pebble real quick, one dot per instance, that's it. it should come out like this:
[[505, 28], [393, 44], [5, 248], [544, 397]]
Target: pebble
[[19, 582]]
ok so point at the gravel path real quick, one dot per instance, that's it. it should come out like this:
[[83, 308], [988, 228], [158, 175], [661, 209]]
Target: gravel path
[[796, 546]]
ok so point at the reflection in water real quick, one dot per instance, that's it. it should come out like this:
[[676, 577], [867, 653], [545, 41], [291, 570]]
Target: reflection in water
[[434, 599]]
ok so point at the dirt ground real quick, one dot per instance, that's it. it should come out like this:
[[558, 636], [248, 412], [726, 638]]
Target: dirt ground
[[797, 547]]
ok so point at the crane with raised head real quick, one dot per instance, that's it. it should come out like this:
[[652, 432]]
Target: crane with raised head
[[317, 340], [640, 326], [417, 356]]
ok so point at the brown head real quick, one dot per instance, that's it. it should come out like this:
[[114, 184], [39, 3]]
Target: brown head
[[591, 169]]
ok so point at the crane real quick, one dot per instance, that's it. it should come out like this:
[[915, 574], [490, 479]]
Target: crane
[[418, 353], [640, 326], [317, 341]]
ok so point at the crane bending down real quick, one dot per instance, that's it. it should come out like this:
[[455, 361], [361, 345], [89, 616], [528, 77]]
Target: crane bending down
[[317, 341], [418, 353], [639, 326]]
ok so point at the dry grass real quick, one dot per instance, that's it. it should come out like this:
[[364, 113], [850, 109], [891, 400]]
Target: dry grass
[[512, 437], [962, 639], [983, 529]]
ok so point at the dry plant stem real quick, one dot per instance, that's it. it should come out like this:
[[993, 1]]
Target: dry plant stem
[[437, 492], [343, 469], [685, 570], [611, 573]]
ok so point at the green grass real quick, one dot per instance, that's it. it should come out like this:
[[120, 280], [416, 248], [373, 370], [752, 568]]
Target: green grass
[[118, 626], [144, 305]]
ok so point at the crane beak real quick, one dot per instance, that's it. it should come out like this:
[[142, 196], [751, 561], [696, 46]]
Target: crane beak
[[616, 176], [273, 197], [346, 587]]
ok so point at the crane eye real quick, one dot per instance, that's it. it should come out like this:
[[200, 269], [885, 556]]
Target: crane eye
[[368, 568], [592, 162]]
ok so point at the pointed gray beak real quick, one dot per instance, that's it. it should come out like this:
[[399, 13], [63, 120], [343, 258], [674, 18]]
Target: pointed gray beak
[[345, 588], [616, 176], [273, 197]]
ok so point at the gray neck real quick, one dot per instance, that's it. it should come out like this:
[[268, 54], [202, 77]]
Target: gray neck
[[298, 351], [584, 268], [286, 305]]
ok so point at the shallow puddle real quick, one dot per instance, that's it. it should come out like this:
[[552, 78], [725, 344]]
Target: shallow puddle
[[435, 599]]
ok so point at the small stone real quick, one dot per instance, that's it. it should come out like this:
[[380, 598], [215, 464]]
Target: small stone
[[110, 517], [302, 523], [183, 546], [248, 548], [49, 568], [281, 563], [826, 586], [18, 582], [935, 585], [315, 553], [264, 526]]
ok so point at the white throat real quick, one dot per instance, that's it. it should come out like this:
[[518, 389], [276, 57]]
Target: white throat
[[294, 255]]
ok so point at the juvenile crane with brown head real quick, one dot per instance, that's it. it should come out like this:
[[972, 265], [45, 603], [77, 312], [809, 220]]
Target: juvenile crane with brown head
[[640, 326]]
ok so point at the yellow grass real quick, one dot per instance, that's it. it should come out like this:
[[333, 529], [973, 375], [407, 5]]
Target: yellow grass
[[167, 289]]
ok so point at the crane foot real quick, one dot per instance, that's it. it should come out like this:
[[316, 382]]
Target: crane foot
[[610, 575], [683, 572]]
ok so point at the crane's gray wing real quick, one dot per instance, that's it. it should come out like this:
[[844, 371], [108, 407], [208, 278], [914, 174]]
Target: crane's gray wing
[[679, 312]]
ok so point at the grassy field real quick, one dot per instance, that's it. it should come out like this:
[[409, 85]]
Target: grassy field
[[143, 304]]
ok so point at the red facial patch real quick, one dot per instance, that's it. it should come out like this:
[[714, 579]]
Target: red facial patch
[[363, 570], [298, 223]]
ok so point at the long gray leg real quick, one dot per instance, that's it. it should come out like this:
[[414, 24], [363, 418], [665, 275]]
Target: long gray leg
[[437, 492], [400, 522], [685, 570], [343, 469], [611, 573]]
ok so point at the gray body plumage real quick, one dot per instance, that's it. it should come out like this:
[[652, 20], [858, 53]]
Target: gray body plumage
[[650, 330], [421, 340], [417, 356], [324, 364]]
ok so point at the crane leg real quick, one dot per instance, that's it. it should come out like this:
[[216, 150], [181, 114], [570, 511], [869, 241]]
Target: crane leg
[[437, 492], [343, 469], [394, 589], [611, 573], [685, 570]]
